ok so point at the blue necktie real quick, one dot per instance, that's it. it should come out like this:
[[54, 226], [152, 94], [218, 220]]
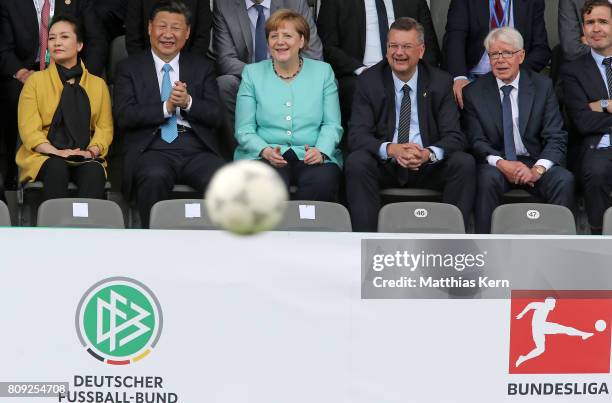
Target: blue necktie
[[169, 130], [261, 46], [403, 129], [509, 147], [383, 25]]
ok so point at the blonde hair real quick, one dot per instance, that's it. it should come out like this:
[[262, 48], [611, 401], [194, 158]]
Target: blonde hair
[[283, 16]]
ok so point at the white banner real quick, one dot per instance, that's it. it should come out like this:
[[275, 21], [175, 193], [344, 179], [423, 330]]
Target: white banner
[[274, 318]]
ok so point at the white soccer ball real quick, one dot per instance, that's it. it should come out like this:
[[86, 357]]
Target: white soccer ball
[[246, 197]]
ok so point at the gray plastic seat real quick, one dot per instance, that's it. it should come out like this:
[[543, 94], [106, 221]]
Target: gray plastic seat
[[79, 212], [607, 222], [315, 216], [5, 217], [180, 214], [533, 218], [421, 217]]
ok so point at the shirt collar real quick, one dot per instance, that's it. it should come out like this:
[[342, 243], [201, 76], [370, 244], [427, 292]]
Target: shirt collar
[[514, 84], [159, 63], [265, 3], [598, 58], [412, 83]]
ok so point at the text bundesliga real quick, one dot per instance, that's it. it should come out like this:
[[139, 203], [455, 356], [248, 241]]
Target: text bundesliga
[[443, 282], [540, 389]]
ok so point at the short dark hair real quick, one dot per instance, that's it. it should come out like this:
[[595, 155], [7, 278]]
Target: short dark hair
[[171, 6], [408, 24], [75, 22], [589, 5]]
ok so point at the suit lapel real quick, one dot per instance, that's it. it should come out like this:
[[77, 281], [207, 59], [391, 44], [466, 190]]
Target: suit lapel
[[526, 97], [390, 99], [518, 13], [493, 101], [150, 83], [360, 16], [245, 25], [483, 15], [30, 16], [423, 99], [591, 70]]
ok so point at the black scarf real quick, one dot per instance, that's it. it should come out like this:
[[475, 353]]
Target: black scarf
[[70, 125]]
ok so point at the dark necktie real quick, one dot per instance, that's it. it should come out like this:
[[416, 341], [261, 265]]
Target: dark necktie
[[261, 46], [509, 147], [403, 128], [383, 24], [499, 12], [606, 62]]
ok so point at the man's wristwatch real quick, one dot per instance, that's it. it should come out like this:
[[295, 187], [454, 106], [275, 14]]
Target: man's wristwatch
[[540, 169], [604, 105], [432, 156]]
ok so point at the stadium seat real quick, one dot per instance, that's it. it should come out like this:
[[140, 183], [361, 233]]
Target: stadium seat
[[83, 213], [315, 216], [5, 217], [421, 217], [607, 222], [180, 214], [395, 195], [117, 53], [533, 218]]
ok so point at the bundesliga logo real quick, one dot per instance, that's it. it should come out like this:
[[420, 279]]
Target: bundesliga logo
[[560, 332], [119, 321]]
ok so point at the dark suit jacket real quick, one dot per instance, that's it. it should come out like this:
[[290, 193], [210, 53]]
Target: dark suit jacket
[[19, 34], [373, 116], [342, 28], [540, 121], [137, 24], [468, 23], [138, 109], [582, 84]]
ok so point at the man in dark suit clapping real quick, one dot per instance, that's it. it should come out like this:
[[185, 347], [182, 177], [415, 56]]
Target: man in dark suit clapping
[[167, 109]]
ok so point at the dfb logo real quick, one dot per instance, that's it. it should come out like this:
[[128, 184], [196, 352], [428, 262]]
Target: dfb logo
[[560, 332]]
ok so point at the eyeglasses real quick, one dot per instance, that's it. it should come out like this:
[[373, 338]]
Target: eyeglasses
[[395, 46], [505, 54]]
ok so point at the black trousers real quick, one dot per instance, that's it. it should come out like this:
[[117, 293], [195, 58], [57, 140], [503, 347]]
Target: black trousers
[[10, 89], [366, 175], [346, 89], [313, 182], [596, 175], [163, 165], [555, 187], [55, 174]]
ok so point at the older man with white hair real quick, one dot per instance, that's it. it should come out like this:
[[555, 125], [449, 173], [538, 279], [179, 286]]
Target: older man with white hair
[[512, 118]]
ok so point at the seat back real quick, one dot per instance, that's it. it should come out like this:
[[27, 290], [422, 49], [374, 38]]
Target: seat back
[[315, 216], [117, 53], [421, 217], [80, 212], [607, 222], [5, 217], [533, 218], [180, 214]]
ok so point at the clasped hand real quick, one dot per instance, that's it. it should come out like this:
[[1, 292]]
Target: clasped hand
[[518, 173], [408, 155], [179, 97]]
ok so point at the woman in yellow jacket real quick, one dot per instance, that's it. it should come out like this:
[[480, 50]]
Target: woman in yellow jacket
[[65, 120]]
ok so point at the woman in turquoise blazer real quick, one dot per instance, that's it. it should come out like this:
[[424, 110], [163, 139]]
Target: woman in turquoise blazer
[[288, 114]]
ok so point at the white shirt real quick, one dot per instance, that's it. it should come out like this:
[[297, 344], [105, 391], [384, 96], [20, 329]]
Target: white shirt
[[38, 5], [252, 12], [174, 76], [518, 141], [373, 53]]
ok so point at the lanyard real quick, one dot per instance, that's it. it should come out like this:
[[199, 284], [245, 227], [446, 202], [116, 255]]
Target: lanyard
[[493, 15]]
